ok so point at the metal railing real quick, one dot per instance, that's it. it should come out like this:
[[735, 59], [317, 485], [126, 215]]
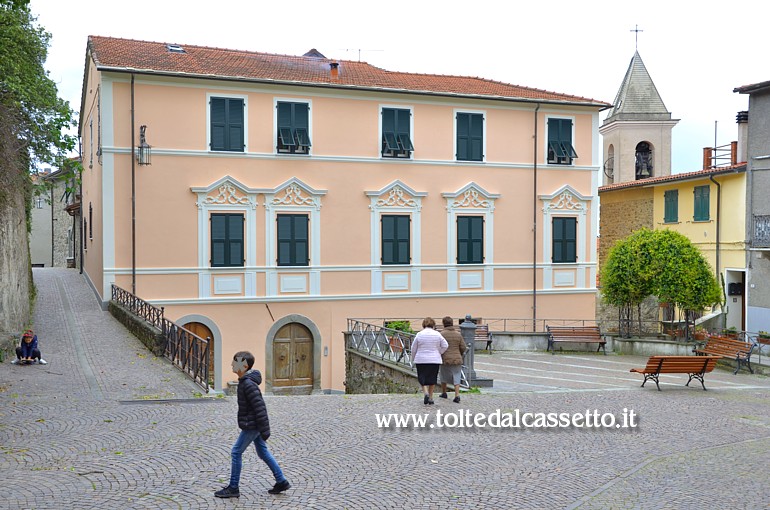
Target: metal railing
[[761, 237], [495, 324], [186, 350], [388, 345]]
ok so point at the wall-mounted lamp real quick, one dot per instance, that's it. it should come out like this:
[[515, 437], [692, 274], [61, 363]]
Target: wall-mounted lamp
[[144, 150]]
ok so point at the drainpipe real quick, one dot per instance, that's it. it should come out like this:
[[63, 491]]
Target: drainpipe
[[53, 229], [133, 196], [534, 226], [719, 210]]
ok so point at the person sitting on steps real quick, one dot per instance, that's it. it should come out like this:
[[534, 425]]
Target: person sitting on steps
[[28, 350]]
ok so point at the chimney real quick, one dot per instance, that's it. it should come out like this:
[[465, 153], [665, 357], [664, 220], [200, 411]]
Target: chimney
[[743, 136], [334, 67]]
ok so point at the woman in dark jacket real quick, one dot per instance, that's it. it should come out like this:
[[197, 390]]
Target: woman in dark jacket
[[255, 427]]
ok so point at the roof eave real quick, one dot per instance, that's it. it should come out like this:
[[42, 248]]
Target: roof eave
[[591, 104], [674, 178]]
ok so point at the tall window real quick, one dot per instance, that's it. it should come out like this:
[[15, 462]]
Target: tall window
[[395, 239], [701, 203], [293, 128], [560, 149], [227, 124], [470, 240], [227, 240], [671, 201], [396, 127], [470, 137], [293, 240], [643, 162], [564, 240]]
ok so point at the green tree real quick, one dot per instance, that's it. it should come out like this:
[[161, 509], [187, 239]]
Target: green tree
[[36, 119], [660, 263]]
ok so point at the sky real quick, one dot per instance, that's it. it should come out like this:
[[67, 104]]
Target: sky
[[696, 53]]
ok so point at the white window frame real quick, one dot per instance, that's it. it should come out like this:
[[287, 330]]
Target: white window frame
[[396, 198], [565, 202], [411, 131], [545, 155], [470, 200], [293, 197], [483, 134], [245, 98], [309, 103]]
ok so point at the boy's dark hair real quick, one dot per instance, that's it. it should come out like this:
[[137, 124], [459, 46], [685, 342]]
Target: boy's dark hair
[[447, 321], [246, 356]]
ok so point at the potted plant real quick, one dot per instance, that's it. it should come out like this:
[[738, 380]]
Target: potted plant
[[764, 337], [699, 333], [731, 332]]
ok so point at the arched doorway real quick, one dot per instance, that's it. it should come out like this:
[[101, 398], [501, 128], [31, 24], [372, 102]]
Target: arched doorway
[[204, 332], [293, 360]]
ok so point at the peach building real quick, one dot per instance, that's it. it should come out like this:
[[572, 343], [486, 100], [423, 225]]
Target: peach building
[[287, 194]]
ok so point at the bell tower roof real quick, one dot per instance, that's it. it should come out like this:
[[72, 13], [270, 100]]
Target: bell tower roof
[[637, 98]]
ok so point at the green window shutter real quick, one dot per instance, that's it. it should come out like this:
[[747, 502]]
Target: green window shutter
[[227, 246], [218, 239], [701, 203], [564, 240], [235, 124], [227, 124], [218, 124], [671, 201], [395, 239], [293, 127], [470, 240], [463, 136], [477, 137], [235, 239], [292, 240], [560, 148]]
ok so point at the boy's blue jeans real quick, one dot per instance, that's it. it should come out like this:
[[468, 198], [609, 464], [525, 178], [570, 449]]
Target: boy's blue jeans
[[244, 440]]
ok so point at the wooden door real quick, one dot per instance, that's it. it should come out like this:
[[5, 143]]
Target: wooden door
[[293, 360], [202, 331]]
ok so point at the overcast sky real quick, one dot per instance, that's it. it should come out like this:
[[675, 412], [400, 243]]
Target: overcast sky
[[696, 53]]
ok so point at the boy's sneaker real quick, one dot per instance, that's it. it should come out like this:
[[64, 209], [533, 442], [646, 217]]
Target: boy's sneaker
[[425, 400], [15, 362], [443, 395], [42, 361], [279, 487], [456, 400], [228, 492]]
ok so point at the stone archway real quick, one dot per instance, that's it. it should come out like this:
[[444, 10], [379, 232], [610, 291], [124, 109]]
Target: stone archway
[[293, 357]]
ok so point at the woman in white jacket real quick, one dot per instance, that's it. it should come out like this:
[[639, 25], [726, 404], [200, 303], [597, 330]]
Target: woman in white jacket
[[427, 347]]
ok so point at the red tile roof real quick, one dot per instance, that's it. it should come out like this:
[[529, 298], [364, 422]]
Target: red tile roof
[[652, 181], [200, 61]]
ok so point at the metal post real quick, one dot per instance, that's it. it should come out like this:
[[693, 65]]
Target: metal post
[[468, 331]]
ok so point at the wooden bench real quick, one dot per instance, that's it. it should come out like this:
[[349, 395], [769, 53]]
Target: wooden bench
[[694, 366], [589, 334], [482, 335], [729, 348]]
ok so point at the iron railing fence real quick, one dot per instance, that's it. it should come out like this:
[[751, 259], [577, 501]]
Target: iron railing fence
[[495, 324], [186, 350], [387, 344]]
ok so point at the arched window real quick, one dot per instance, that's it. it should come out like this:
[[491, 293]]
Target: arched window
[[643, 161]]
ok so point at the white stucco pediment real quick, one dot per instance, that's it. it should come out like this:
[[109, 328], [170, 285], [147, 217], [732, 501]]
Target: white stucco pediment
[[294, 192], [396, 194], [471, 196], [565, 198], [226, 191]]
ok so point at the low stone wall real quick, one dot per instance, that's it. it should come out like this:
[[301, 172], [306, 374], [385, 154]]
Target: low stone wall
[[150, 336], [652, 347], [366, 375]]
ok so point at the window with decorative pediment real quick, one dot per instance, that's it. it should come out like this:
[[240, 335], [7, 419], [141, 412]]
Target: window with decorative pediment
[[226, 223], [470, 224], [565, 218], [395, 224], [292, 227]]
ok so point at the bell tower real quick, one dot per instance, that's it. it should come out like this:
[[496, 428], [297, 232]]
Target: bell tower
[[637, 131]]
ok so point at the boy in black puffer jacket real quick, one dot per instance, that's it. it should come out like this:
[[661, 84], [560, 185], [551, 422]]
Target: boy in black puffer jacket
[[254, 425]]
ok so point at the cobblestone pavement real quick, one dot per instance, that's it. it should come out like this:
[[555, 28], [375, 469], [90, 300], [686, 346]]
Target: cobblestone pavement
[[106, 425]]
